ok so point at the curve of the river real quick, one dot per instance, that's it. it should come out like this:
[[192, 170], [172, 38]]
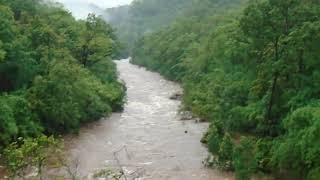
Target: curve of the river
[[148, 138]]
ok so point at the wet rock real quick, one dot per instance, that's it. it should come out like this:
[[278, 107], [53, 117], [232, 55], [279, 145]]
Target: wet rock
[[186, 115], [199, 120], [202, 120], [107, 174], [176, 96]]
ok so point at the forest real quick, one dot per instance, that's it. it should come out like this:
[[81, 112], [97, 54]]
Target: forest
[[251, 69], [248, 67], [56, 72], [143, 17]]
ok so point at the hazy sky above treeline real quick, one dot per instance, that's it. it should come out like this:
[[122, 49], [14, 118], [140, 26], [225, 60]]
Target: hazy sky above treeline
[[81, 8]]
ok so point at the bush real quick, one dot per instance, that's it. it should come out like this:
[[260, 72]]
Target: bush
[[245, 119], [213, 138], [225, 153], [314, 174], [8, 126], [17, 119], [298, 152], [244, 161], [26, 153], [106, 72], [221, 146], [70, 95]]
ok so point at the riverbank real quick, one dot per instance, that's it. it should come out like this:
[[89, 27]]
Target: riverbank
[[2, 173], [148, 139]]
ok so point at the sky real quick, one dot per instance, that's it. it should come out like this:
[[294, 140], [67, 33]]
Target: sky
[[81, 8]]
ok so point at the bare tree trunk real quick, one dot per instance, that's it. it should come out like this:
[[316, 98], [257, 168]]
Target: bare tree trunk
[[269, 117]]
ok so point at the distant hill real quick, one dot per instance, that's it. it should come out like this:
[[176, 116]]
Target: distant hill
[[143, 16]]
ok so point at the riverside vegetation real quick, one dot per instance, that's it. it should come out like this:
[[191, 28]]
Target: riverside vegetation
[[56, 73], [251, 68]]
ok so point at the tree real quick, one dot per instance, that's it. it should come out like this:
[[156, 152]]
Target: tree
[[40, 59], [248, 68], [96, 43]]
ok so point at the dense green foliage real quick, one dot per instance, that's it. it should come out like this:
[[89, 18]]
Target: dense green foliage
[[143, 17], [55, 72], [252, 69], [20, 156]]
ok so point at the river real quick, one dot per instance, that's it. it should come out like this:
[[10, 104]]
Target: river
[[148, 140]]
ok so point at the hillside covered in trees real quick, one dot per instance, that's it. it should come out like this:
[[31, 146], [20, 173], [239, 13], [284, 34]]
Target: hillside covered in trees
[[56, 72], [251, 68], [143, 17]]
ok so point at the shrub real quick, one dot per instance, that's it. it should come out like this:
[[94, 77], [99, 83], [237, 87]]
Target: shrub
[[17, 119], [70, 95], [244, 161], [225, 153], [298, 152], [26, 153]]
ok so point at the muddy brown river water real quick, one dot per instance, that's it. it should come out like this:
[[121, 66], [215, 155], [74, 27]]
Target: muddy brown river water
[[148, 139]]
